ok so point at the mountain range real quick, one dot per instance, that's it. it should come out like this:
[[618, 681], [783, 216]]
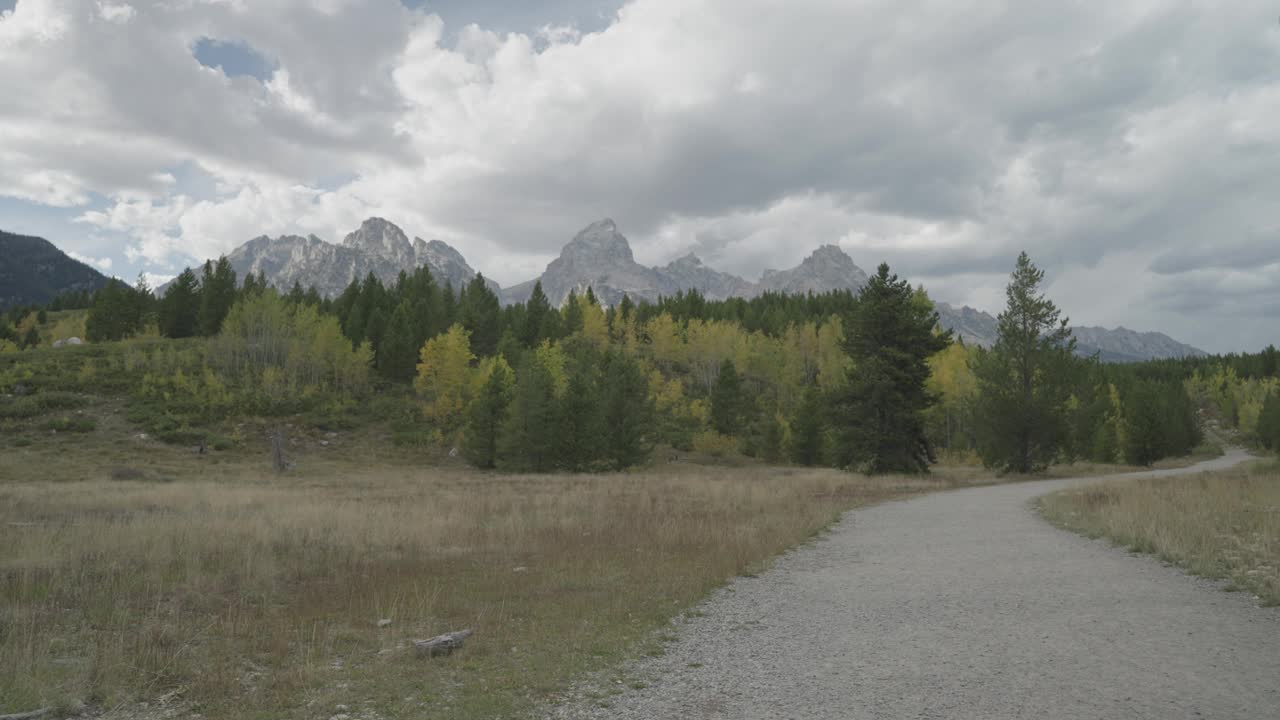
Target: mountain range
[[600, 257], [33, 271]]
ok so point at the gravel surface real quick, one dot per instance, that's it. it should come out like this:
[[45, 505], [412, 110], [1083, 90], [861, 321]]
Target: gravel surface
[[960, 604]]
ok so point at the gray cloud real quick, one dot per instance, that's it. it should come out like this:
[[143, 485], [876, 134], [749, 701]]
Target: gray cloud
[[1130, 148]]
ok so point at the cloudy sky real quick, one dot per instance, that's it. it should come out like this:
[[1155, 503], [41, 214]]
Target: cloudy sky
[[1132, 147]]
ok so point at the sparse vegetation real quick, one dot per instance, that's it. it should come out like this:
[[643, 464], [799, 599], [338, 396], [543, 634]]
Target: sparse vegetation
[[1222, 525], [256, 596]]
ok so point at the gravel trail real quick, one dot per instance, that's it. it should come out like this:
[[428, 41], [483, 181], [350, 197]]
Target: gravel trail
[[962, 604]]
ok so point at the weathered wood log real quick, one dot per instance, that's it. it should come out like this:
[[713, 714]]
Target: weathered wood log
[[32, 715], [441, 644]]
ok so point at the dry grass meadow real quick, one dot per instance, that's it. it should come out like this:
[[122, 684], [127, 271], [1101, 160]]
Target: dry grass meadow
[[132, 572], [1223, 525]]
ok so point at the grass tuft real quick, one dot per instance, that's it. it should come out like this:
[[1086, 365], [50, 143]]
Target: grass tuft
[[1222, 525]]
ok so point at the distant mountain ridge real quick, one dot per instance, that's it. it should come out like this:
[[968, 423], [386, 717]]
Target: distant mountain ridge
[[33, 271], [975, 327], [377, 247], [600, 257]]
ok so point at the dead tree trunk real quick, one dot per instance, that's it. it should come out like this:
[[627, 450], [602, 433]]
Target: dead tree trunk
[[278, 459]]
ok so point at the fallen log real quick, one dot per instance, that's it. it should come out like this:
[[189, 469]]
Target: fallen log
[[438, 645]]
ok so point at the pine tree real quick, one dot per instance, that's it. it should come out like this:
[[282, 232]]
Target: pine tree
[[807, 428], [488, 414], [398, 354], [1269, 422], [528, 437], [580, 437], [481, 315], [1025, 379], [880, 412], [536, 316], [118, 311], [217, 295], [727, 400], [628, 412], [1144, 424], [179, 309]]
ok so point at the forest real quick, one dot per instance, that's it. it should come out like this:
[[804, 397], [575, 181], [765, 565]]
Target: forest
[[865, 380]]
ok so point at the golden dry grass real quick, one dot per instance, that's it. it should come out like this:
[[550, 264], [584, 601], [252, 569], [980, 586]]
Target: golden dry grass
[[1222, 525], [251, 595]]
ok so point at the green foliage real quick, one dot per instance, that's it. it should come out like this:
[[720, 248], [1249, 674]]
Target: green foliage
[[727, 400], [528, 438], [179, 309], [628, 410], [1025, 380], [33, 271], [807, 428], [217, 295], [487, 415], [1268, 430], [480, 313], [879, 413], [71, 424], [398, 355], [580, 443], [118, 312], [287, 353]]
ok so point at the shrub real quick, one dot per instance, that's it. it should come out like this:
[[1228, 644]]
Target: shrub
[[71, 424], [714, 444]]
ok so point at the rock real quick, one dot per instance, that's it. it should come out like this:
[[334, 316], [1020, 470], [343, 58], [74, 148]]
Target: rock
[[521, 569], [384, 622], [68, 341]]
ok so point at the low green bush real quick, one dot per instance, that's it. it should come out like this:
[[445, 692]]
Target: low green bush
[[71, 424]]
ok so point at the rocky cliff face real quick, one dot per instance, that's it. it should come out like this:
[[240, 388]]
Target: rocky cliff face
[[689, 272], [600, 257], [828, 268], [377, 247]]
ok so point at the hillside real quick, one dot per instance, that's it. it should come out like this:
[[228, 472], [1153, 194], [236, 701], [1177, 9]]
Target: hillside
[[33, 271]]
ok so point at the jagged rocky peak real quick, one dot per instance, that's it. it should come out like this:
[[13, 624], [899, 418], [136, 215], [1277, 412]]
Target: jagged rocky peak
[[383, 239], [599, 242], [688, 261], [827, 268]]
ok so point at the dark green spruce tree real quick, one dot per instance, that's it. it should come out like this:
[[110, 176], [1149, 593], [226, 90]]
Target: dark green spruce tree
[[398, 354], [879, 415], [217, 295], [727, 400], [487, 416], [1025, 380], [581, 435], [179, 309], [481, 315], [628, 412], [528, 439], [807, 428]]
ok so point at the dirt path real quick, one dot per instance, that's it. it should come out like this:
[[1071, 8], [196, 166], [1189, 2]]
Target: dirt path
[[963, 605]]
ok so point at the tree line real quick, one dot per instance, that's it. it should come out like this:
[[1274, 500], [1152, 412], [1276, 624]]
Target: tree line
[[864, 380]]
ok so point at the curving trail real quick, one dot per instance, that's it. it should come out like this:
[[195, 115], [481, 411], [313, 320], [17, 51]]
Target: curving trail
[[964, 604]]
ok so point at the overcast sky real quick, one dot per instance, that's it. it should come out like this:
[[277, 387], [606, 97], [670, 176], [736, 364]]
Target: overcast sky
[[1132, 147]]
